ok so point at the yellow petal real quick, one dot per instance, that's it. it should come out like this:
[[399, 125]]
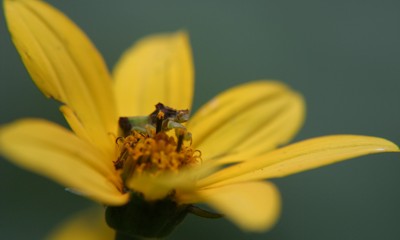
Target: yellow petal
[[74, 122], [300, 157], [253, 206], [85, 225], [152, 188], [247, 120], [158, 68], [52, 151], [155, 187], [64, 64]]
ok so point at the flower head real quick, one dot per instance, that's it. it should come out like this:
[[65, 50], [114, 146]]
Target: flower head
[[132, 142]]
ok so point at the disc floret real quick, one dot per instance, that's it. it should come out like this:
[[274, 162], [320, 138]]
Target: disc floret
[[148, 145]]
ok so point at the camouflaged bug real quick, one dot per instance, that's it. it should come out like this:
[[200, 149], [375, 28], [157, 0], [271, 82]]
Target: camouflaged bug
[[163, 118]]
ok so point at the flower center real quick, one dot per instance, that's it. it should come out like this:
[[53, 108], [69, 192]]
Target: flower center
[[152, 145], [148, 144]]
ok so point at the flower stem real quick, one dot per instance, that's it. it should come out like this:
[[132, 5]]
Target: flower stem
[[121, 236]]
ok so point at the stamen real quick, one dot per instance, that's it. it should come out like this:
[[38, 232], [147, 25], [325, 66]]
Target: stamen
[[146, 147], [140, 152]]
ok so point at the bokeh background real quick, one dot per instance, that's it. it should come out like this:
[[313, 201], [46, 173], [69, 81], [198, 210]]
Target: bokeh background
[[342, 55]]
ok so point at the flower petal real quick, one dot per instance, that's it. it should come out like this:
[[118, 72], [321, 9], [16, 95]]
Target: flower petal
[[74, 122], [50, 150], [253, 206], [87, 225], [155, 187], [247, 120], [300, 157], [158, 68], [64, 64]]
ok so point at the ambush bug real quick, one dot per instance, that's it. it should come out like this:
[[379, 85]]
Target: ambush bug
[[162, 119]]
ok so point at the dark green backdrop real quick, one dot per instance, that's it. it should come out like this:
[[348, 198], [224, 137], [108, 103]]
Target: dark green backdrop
[[342, 55]]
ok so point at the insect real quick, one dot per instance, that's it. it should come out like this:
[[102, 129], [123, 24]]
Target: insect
[[162, 119]]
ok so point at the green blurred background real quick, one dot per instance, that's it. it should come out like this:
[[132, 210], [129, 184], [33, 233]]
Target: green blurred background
[[342, 55]]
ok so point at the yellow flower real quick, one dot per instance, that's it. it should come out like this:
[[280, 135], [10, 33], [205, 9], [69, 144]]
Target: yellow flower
[[223, 164]]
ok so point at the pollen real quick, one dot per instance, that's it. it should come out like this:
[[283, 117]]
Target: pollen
[[155, 143], [153, 154]]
